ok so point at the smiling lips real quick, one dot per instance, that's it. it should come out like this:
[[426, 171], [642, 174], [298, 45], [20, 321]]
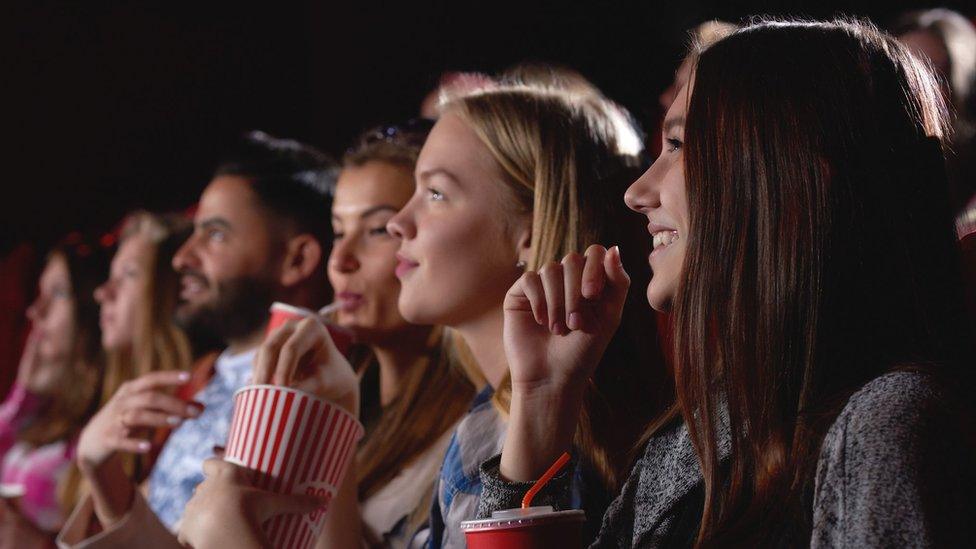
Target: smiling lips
[[404, 265], [663, 236], [192, 285]]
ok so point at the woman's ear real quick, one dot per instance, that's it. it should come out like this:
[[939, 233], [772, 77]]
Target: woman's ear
[[303, 254]]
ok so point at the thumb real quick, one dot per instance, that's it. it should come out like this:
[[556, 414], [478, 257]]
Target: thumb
[[274, 504]]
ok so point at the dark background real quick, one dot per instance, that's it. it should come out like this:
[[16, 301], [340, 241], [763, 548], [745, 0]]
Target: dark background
[[117, 105]]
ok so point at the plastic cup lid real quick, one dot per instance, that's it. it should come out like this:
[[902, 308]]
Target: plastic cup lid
[[514, 518]]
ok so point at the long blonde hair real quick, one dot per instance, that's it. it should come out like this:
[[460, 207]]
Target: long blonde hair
[[159, 343], [569, 154]]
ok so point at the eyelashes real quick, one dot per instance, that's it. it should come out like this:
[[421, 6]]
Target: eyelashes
[[672, 144]]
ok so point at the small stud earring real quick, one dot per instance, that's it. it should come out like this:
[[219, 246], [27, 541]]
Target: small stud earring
[[520, 265]]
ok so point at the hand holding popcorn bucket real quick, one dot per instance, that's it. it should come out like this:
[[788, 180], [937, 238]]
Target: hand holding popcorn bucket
[[295, 442]]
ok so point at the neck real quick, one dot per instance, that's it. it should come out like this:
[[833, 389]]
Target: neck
[[484, 336], [246, 343], [396, 356]]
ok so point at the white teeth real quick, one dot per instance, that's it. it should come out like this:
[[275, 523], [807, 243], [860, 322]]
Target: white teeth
[[664, 238], [192, 286]]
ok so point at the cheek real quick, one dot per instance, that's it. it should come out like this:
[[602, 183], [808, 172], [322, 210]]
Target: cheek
[[380, 282], [60, 330], [466, 267]]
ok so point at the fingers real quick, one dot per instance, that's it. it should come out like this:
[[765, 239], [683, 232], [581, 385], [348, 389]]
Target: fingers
[[309, 335], [218, 468], [159, 402], [552, 281], [593, 278], [527, 294], [132, 445], [148, 418], [617, 277], [267, 358], [272, 504], [156, 380], [572, 279]]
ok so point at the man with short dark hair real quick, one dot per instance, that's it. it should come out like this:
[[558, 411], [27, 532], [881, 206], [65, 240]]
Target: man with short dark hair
[[262, 231]]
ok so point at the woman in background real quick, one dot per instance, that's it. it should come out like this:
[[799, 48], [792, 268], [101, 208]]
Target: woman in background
[[948, 40], [139, 335], [56, 390]]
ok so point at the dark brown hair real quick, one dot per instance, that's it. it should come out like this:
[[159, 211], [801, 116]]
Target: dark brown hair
[[821, 254]]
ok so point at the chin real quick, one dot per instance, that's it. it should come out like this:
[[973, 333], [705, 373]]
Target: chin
[[659, 300], [417, 311]]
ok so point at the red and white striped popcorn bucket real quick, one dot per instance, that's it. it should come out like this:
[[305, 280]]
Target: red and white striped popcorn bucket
[[294, 442]]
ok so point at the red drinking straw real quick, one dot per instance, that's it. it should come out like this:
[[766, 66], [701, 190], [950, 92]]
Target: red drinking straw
[[545, 478]]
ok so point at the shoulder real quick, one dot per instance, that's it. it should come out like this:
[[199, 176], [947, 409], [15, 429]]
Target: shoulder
[[893, 466], [892, 407]]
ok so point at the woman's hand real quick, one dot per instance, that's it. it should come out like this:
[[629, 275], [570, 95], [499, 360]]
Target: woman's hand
[[227, 511], [138, 405], [122, 426], [558, 323], [302, 355]]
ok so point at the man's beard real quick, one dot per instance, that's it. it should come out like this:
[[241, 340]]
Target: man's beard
[[239, 310]]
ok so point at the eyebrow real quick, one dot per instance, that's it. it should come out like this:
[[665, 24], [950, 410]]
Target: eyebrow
[[426, 174], [214, 222], [374, 210], [672, 123]]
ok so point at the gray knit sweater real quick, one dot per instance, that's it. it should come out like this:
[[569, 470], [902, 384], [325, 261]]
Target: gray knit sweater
[[891, 473]]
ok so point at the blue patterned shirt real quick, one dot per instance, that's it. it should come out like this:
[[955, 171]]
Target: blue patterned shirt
[[479, 435], [179, 467]]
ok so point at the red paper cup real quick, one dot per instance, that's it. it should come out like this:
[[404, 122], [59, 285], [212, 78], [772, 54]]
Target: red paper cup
[[294, 443], [283, 312], [532, 528]]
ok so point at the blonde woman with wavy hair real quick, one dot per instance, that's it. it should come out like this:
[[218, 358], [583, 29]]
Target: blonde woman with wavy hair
[[136, 316]]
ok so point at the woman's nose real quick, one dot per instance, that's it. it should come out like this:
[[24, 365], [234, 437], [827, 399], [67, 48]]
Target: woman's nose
[[402, 225], [342, 259], [101, 293], [643, 195]]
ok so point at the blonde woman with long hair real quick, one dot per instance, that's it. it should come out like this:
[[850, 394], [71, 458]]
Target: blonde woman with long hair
[[136, 305]]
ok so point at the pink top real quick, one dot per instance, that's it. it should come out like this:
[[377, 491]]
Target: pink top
[[37, 470]]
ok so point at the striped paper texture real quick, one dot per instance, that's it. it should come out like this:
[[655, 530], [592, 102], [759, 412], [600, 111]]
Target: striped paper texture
[[295, 443]]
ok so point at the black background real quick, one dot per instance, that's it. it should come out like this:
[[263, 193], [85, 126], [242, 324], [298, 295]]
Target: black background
[[116, 105]]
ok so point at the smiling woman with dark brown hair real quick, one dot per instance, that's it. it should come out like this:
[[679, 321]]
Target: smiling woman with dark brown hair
[[804, 245]]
